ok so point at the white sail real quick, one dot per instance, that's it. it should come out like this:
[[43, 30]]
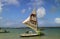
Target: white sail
[[26, 20], [31, 21]]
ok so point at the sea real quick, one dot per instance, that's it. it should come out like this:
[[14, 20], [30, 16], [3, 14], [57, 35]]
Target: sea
[[49, 33]]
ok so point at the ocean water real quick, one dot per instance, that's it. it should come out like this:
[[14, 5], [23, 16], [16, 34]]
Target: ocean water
[[50, 33]]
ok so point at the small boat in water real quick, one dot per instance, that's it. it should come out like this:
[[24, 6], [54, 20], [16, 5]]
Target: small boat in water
[[3, 31], [32, 23], [31, 34], [28, 35]]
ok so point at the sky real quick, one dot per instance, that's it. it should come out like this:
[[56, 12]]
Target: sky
[[14, 12]]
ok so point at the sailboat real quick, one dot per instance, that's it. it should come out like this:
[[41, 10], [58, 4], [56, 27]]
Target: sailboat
[[32, 23]]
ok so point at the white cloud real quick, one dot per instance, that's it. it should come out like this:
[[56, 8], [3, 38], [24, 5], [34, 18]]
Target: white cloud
[[38, 2], [41, 12], [0, 8], [1, 5], [57, 2], [53, 9], [8, 23], [23, 11], [8, 2], [29, 8], [41, 23], [57, 20], [14, 2], [1, 18]]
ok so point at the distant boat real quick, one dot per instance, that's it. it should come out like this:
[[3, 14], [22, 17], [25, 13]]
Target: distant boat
[[3, 31]]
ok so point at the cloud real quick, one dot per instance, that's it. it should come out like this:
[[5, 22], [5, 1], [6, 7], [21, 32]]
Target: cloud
[[36, 2], [8, 2], [41, 23], [9, 23], [57, 2], [1, 18], [1, 5], [55, 6], [39, 2], [53, 9], [41, 12], [57, 20], [14, 2], [29, 8], [0, 8], [23, 11]]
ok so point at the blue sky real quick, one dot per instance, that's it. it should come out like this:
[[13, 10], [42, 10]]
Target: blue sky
[[13, 12]]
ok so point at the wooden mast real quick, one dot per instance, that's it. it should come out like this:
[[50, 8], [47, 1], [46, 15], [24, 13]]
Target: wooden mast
[[36, 13]]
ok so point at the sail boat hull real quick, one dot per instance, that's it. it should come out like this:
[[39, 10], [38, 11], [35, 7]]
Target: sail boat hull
[[31, 35], [28, 35]]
